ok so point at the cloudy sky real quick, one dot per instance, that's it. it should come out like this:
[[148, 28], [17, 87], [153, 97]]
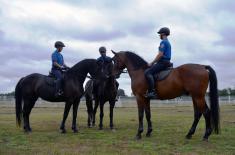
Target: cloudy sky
[[202, 32]]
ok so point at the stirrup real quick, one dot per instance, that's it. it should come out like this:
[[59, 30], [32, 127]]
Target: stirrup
[[59, 93], [151, 94]]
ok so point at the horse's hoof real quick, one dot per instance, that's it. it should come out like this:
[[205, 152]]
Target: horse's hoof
[[113, 130], [188, 136], [62, 131], [75, 131], [205, 139], [148, 134], [100, 128], [27, 131], [137, 137]]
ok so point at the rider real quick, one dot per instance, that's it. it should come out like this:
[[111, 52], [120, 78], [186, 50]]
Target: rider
[[58, 66], [160, 63], [103, 58]]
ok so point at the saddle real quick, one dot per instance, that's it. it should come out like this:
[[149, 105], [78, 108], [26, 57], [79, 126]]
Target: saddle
[[50, 79], [164, 74]]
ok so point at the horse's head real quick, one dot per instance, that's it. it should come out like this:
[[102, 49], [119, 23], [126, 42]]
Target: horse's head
[[105, 69], [119, 63]]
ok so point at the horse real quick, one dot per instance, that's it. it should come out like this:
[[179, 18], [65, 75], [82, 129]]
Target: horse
[[192, 79], [36, 85], [102, 90]]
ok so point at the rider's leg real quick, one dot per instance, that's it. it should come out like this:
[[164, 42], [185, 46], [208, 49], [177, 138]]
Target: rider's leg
[[58, 76], [150, 79], [149, 73]]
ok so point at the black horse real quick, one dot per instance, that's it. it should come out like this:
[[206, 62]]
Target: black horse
[[33, 86], [101, 90]]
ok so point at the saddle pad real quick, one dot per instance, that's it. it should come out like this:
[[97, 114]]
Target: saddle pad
[[162, 75]]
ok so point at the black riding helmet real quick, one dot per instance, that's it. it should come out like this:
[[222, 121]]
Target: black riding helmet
[[102, 49], [59, 44], [164, 30]]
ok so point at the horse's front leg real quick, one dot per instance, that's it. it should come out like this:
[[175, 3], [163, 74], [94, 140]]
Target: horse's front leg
[[148, 117], [66, 112], [75, 110], [94, 111], [112, 103], [141, 115], [101, 115]]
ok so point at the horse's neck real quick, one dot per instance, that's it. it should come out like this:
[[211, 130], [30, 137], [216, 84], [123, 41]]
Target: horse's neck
[[111, 83], [132, 71], [80, 73]]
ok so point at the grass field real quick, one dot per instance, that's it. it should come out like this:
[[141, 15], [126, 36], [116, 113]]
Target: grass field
[[170, 124]]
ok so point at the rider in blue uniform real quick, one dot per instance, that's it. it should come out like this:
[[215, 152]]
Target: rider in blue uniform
[[161, 62], [58, 65], [103, 58]]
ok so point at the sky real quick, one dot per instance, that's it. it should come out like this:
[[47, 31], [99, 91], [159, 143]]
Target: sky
[[202, 32]]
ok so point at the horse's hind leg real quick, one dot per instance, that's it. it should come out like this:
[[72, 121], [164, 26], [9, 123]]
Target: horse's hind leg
[[89, 111], [66, 112], [28, 105], [148, 117], [94, 112], [197, 116], [207, 116], [112, 103]]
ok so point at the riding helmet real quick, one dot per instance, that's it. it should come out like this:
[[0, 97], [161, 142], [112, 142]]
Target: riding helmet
[[164, 30], [102, 49], [59, 44]]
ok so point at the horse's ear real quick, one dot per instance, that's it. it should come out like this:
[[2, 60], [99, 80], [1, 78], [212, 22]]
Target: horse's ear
[[114, 52]]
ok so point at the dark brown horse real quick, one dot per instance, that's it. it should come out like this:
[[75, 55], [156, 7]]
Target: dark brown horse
[[33, 86], [101, 90], [192, 79]]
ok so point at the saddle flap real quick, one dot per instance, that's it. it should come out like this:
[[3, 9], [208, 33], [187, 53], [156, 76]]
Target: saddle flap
[[163, 74], [50, 80]]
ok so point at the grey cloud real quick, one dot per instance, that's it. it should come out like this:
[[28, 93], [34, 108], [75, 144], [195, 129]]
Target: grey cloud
[[228, 36], [98, 35], [50, 30], [101, 5], [227, 6], [142, 28]]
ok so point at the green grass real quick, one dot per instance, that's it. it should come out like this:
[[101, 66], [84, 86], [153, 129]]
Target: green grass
[[170, 124]]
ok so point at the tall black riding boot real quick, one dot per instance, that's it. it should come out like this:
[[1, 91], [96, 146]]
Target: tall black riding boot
[[58, 91], [151, 91]]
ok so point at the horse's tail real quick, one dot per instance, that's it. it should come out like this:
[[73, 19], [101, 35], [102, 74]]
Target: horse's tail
[[214, 101], [18, 103]]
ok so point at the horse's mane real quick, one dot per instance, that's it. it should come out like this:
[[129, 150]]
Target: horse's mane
[[82, 67], [136, 60]]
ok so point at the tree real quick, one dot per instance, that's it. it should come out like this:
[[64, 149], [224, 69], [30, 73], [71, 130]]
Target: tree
[[121, 92]]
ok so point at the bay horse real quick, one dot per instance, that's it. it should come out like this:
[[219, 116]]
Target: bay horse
[[192, 79], [36, 85], [101, 90]]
